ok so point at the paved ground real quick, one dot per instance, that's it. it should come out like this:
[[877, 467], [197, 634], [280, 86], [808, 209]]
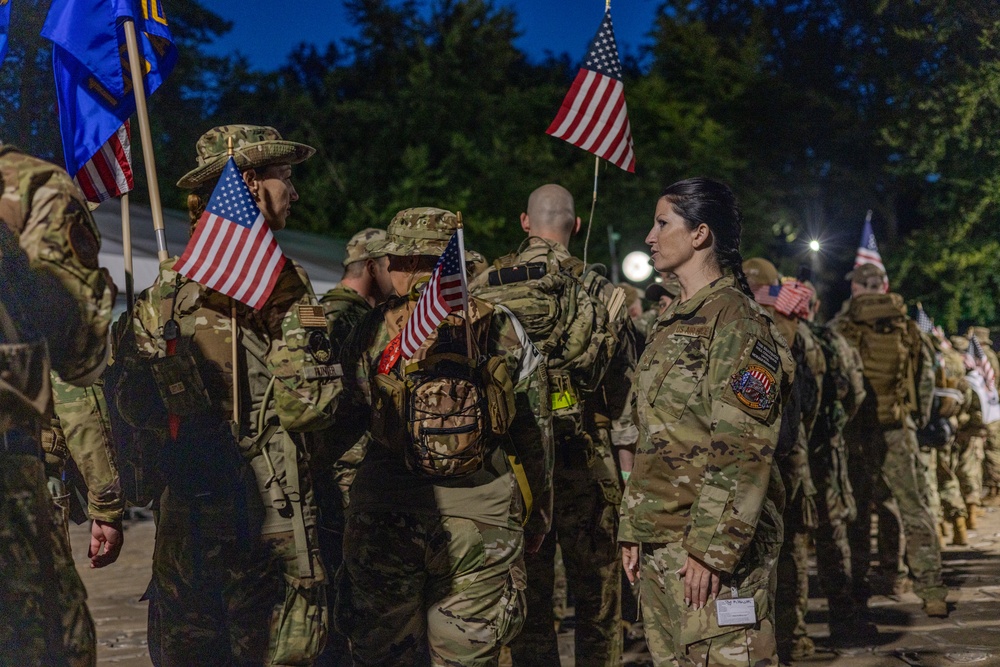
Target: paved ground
[[970, 636]]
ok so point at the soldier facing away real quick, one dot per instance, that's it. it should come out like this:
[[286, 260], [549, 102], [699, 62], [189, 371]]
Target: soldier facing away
[[55, 308], [236, 570]]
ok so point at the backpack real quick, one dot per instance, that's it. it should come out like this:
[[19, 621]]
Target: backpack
[[877, 325], [441, 410], [569, 310]]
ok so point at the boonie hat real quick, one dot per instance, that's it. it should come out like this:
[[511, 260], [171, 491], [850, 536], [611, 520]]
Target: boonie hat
[[254, 146], [760, 271], [669, 287], [357, 248], [416, 231], [862, 274], [982, 334]]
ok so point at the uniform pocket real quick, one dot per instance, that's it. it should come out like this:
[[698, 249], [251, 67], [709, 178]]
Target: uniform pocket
[[513, 606], [300, 625], [673, 374], [703, 624]]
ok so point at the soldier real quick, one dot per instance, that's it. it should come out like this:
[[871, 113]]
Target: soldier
[[236, 571], [792, 460], [661, 295], [333, 460], [80, 429], [882, 445], [991, 454], [433, 570], [703, 504], [585, 478], [52, 295]]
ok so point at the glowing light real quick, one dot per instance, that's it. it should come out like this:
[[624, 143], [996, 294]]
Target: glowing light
[[814, 245], [636, 266]]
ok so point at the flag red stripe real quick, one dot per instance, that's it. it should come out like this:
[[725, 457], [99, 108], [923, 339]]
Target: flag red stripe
[[590, 114], [580, 107], [571, 103], [599, 127]]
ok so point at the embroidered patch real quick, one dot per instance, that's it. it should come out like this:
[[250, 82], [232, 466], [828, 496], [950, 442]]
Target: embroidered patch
[[312, 317], [754, 387], [693, 330], [320, 347], [766, 356]]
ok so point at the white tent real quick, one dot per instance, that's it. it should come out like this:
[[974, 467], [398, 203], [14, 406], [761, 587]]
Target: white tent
[[320, 256]]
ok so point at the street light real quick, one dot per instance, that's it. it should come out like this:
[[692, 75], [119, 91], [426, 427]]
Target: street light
[[636, 266], [814, 246]]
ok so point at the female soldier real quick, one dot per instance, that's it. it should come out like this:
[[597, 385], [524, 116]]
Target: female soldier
[[701, 517]]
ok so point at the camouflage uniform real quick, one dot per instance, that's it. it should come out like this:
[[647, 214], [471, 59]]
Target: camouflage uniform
[[991, 447], [344, 309], [586, 497], [236, 570], [707, 400], [884, 464], [433, 570], [52, 294], [970, 442], [843, 390]]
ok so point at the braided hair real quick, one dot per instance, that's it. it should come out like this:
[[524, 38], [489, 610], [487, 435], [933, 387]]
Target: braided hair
[[704, 201]]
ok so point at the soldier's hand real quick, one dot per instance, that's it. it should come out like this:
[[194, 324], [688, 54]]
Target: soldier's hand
[[533, 542], [630, 561], [701, 583], [108, 535]]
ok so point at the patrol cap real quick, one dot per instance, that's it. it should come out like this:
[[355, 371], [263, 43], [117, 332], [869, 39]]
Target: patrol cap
[[476, 262], [960, 343], [417, 231], [760, 271], [254, 146], [862, 274], [669, 287], [357, 247], [982, 334]]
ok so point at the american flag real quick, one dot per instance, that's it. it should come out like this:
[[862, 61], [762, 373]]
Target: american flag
[[868, 249], [793, 299], [924, 321], [109, 173], [767, 295], [593, 115], [233, 250], [446, 292], [976, 358]]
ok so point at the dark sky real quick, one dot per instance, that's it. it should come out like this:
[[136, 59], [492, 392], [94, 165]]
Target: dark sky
[[267, 31]]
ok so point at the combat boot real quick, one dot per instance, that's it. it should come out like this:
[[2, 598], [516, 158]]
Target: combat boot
[[973, 521], [803, 648], [936, 608], [942, 534], [961, 538], [991, 498]]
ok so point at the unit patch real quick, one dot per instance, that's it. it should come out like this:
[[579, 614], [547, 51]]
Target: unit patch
[[765, 356], [320, 347], [754, 387]]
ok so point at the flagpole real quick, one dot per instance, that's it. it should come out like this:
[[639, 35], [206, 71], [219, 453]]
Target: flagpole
[[146, 135], [465, 286], [127, 252], [593, 202], [232, 319]]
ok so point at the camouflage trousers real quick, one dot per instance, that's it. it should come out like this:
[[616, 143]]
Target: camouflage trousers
[[585, 525], [219, 588], [991, 461], [884, 464], [418, 589], [943, 494], [677, 635], [43, 601], [791, 600], [970, 448]]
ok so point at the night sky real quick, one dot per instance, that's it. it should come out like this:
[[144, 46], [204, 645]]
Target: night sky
[[266, 32]]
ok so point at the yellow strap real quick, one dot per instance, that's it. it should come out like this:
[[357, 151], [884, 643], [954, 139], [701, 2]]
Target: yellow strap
[[563, 399], [522, 484]]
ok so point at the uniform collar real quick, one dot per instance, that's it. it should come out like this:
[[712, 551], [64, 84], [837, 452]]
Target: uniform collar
[[680, 309], [560, 251]]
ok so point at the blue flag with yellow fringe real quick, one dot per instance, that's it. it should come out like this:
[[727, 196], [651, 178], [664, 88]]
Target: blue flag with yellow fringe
[[91, 67]]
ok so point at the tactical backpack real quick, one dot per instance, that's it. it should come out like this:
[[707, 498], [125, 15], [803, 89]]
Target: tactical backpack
[[568, 311], [442, 408], [876, 324]]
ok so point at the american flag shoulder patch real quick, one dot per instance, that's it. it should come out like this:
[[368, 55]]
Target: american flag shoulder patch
[[312, 316], [754, 386]]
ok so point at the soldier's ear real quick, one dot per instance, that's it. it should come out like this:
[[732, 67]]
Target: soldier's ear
[[253, 183], [525, 223], [576, 228], [701, 237]]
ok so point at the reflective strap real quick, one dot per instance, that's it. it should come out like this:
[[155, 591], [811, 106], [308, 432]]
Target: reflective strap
[[303, 560], [522, 484], [563, 399]]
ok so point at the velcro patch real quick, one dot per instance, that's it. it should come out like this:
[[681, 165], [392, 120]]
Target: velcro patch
[[312, 317], [330, 372], [754, 386], [176, 388], [693, 330], [320, 347], [84, 244], [766, 357]]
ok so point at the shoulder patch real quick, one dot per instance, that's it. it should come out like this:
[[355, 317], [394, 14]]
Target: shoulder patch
[[312, 317], [766, 357], [754, 386], [84, 244]]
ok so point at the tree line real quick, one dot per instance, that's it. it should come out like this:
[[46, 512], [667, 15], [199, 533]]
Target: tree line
[[814, 110]]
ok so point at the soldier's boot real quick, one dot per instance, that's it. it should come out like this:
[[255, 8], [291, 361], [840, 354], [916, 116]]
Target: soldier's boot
[[803, 648], [936, 608], [991, 498], [961, 538], [973, 521], [942, 534]]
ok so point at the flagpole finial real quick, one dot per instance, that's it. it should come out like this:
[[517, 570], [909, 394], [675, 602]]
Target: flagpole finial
[[230, 151], [458, 214], [607, 5]]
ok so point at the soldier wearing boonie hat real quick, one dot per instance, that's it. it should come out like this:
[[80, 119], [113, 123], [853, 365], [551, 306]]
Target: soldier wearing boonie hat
[[867, 278], [450, 590], [235, 551]]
